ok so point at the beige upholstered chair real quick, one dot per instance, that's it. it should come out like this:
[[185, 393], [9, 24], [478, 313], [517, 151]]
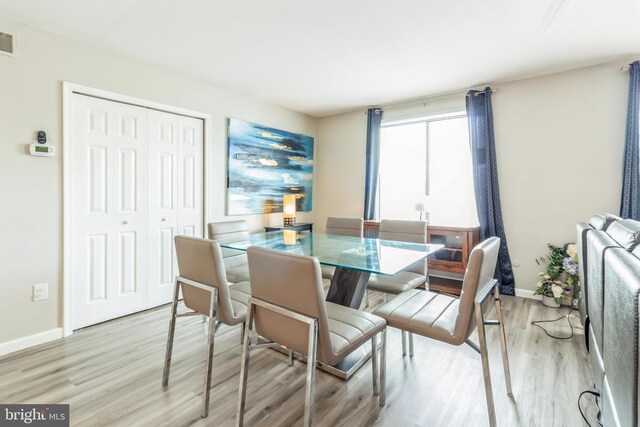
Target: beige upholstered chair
[[288, 308], [409, 278], [206, 292], [341, 227], [235, 262], [412, 276], [452, 320]]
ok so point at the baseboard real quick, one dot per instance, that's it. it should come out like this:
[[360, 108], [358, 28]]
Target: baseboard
[[524, 293], [30, 341]]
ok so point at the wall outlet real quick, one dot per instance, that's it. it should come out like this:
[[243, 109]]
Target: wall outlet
[[40, 292]]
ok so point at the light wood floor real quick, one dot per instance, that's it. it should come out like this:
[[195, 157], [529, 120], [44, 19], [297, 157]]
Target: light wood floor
[[110, 374]]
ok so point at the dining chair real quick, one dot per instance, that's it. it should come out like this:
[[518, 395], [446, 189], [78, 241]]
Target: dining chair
[[452, 320], [287, 308], [235, 262], [409, 278], [205, 292], [341, 227]]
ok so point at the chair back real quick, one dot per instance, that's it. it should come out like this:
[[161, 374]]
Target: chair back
[[294, 283], [229, 230], [479, 274], [200, 260], [344, 226], [406, 231]]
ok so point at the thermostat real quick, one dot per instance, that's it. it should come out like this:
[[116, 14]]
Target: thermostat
[[41, 147], [42, 150]]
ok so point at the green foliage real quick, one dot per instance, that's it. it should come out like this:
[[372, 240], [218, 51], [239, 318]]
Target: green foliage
[[555, 282], [553, 260]]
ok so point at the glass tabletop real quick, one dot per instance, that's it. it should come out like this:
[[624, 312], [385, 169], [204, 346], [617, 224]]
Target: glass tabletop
[[377, 256]]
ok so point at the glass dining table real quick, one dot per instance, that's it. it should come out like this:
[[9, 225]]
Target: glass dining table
[[354, 259]]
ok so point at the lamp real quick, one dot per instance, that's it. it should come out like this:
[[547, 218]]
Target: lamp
[[289, 209], [420, 208]]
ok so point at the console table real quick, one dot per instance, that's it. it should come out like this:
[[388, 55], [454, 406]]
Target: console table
[[297, 227]]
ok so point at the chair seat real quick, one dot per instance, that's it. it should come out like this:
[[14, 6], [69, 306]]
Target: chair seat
[[240, 294], [425, 313], [327, 271], [396, 284], [349, 329], [238, 273]]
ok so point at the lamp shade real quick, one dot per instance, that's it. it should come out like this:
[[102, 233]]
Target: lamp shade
[[289, 208]]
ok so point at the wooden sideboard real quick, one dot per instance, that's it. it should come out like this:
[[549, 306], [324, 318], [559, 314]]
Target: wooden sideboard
[[458, 243], [450, 261]]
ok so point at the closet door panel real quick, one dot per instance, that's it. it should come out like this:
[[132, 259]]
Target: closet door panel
[[190, 176], [109, 170], [163, 205]]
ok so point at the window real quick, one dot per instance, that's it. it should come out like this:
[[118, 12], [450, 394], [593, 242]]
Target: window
[[427, 161]]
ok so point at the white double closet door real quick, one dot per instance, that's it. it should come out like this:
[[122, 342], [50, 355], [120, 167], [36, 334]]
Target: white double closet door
[[137, 181]]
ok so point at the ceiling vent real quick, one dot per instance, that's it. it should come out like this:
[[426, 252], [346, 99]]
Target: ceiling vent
[[9, 44]]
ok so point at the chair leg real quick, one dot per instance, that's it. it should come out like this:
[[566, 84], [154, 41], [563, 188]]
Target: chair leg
[[503, 342], [366, 304], [172, 331], [485, 364], [290, 357], [244, 367], [404, 343], [383, 369], [374, 364], [243, 328], [410, 344], [311, 372], [211, 331]]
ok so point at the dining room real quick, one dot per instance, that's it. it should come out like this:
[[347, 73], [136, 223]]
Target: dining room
[[341, 213]]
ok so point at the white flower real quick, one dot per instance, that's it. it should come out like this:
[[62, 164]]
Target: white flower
[[546, 276], [572, 251], [557, 291]]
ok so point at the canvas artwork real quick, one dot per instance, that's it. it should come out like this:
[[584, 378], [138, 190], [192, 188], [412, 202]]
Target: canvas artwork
[[264, 164]]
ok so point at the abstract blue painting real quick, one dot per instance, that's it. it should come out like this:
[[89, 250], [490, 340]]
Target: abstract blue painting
[[264, 164]]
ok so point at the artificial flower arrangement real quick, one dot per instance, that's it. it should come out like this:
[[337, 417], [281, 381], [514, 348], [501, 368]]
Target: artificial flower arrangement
[[561, 276]]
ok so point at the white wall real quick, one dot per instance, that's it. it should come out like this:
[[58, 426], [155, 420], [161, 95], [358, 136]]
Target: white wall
[[340, 167], [31, 187], [559, 143]]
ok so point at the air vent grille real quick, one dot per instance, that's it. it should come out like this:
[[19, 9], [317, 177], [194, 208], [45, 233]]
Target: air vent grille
[[8, 44]]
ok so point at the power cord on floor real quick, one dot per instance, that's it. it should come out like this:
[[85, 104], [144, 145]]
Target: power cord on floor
[[566, 316], [596, 394]]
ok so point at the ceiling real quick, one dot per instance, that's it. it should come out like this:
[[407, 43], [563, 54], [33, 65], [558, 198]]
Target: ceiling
[[330, 56]]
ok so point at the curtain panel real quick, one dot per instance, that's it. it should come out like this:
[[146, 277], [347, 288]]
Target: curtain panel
[[630, 200], [485, 181], [374, 120]]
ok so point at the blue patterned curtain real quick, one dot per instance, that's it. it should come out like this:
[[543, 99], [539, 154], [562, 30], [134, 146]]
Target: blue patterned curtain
[[630, 204], [485, 181], [374, 119]]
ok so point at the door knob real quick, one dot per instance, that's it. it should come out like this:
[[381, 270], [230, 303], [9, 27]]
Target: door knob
[[163, 219], [125, 222]]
